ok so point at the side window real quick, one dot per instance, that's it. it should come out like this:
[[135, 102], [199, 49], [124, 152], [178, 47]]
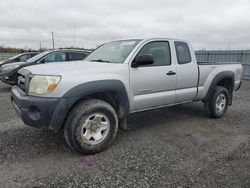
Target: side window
[[79, 56], [70, 56], [55, 57], [29, 56], [32, 55], [23, 57], [74, 56], [50, 58], [84, 55], [160, 52], [183, 53], [61, 56]]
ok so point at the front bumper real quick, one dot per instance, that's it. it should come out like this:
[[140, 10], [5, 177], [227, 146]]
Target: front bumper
[[40, 112]]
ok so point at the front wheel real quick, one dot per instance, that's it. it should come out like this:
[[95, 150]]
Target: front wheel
[[91, 126], [217, 105]]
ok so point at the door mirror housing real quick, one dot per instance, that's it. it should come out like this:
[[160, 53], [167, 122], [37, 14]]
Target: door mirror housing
[[145, 59]]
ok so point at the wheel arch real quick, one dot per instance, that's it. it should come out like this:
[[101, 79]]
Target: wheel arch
[[111, 91], [225, 79]]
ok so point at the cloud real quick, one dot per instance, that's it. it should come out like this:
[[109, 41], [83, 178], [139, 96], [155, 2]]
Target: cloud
[[207, 24]]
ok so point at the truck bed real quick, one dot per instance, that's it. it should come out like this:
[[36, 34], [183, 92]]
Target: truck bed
[[208, 70], [215, 63]]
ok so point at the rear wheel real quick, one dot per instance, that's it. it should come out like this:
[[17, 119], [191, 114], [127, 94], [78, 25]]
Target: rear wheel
[[217, 105], [91, 126]]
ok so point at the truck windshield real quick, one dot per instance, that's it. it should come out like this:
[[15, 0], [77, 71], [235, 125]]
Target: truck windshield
[[113, 52], [37, 57]]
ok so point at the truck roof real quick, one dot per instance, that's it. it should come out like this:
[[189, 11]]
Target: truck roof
[[151, 38]]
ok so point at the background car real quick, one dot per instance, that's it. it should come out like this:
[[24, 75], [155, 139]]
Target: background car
[[19, 58], [8, 71]]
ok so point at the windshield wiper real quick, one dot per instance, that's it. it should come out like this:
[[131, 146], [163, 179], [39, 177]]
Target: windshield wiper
[[100, 60]]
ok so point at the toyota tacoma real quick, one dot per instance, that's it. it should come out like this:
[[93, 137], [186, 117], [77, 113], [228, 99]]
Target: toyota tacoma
[[91, 99]]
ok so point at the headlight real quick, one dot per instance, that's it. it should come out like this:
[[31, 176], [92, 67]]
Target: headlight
[[9, 68], [41, 84]]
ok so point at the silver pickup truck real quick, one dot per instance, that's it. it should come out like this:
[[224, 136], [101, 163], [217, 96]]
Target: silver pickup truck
[[89, 100]]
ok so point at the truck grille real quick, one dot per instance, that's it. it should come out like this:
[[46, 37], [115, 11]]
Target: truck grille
[[23, 79], [21, 82]]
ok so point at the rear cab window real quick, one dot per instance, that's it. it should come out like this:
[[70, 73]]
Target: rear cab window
[[182, 52]]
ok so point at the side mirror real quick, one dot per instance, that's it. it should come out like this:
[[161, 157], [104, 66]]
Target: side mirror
[[18, 59], [145, 59]]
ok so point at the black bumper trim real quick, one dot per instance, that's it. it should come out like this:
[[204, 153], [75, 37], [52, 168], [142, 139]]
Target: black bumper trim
[[40, 112]]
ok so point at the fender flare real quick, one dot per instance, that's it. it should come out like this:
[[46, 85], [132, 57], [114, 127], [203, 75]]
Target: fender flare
[[217, 79], [92, 87]]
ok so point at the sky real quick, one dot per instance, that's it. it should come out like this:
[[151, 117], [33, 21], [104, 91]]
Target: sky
[[207, 24]]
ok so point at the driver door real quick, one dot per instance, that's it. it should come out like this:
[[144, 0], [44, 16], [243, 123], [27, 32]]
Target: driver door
[[154, 85]]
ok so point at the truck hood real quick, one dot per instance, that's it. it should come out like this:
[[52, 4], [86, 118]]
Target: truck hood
[[61, 68]]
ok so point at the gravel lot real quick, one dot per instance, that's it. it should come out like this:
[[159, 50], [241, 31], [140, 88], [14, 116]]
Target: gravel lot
[[172, 147]]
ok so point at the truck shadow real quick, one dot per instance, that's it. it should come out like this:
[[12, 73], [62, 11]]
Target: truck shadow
[[27, 142], [166, 115]]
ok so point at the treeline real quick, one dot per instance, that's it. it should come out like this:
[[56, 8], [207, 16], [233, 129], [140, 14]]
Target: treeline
[[14, 50]]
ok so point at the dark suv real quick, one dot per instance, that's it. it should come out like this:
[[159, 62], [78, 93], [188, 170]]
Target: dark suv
[[8, 71], [20, 57]]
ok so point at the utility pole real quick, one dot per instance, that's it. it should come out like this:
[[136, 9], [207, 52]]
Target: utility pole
[[53, 42], [74, 34]]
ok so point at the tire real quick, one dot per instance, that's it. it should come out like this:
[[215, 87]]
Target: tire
[[91, 126], [217, 104]]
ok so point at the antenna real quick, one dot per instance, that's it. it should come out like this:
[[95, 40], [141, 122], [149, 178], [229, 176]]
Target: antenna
[[74, 34]]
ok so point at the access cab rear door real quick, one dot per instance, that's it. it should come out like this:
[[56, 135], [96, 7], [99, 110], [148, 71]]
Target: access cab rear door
[[187, 72]]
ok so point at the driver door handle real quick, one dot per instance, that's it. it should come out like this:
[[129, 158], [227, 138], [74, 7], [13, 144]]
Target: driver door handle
[[170, 73]]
